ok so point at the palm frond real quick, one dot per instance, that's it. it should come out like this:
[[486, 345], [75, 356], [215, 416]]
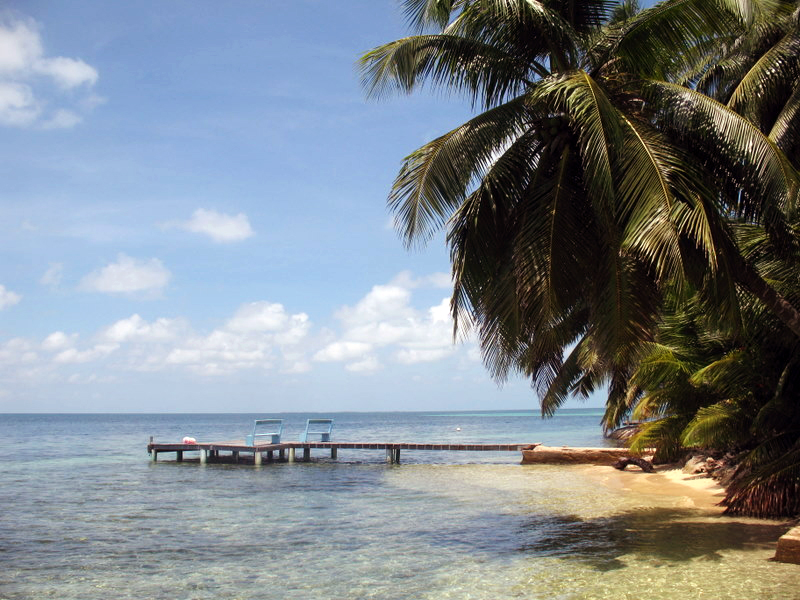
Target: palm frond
[[729, 375], [768, 182], [765, 85], [665, 39], [482, 72], [662, 434], [430, 13], [786, 128], [435, 179], [721, 425]]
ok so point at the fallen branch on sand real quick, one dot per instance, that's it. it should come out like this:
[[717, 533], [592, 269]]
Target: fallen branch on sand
[[644, 465]]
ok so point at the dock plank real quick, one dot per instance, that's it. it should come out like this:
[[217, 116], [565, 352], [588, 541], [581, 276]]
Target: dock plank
[[236, 446]]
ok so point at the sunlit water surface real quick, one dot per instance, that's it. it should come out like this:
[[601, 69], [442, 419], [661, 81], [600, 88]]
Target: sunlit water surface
[[87, 516]]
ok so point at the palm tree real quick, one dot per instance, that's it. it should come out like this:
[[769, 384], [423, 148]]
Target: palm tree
[[572, 201], [729, 390], [757, 74]]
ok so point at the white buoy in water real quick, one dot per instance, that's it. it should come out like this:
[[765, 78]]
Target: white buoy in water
[[458, 428]]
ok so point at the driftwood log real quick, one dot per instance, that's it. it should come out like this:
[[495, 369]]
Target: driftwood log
[[644, 465], [563, 455]]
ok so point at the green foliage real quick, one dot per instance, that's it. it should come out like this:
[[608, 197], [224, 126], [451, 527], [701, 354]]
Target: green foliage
[[663, 435], [721, 425], [621, 211]]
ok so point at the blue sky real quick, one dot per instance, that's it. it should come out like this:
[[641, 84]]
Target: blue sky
[[194, 218]]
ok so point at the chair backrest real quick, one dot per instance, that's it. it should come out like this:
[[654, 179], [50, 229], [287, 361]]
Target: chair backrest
[[320, 427], [274, 428]]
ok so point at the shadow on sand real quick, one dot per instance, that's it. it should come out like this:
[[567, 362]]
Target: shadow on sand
[[663, 535]]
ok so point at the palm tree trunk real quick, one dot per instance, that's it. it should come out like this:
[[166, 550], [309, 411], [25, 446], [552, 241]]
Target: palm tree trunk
[[750, 280]]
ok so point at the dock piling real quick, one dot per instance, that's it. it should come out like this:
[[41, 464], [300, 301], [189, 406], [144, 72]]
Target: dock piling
[[211, 451]]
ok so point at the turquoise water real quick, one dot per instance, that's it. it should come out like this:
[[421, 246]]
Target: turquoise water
[[87, 516]]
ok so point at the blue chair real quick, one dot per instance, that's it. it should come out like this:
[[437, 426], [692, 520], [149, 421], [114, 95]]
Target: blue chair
[[275, 428], [320, 427]]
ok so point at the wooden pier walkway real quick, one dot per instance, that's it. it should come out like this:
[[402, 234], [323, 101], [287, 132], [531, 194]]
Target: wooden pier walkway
[[237, 451]]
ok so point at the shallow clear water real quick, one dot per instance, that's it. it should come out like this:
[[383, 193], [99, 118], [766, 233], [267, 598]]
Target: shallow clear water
[[86, 515]]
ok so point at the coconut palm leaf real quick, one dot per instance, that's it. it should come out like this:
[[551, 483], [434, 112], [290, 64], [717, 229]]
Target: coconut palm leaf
[[729, 375], [665, 40], [609, 221], [561, 384], [762, 91], [785, 131], [484, 73], [721, 425], [430, 13], [663, 435], [768, 183], [435, 179]]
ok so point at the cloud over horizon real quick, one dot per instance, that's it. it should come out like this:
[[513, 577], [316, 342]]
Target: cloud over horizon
[[384, 320], [382, 328]]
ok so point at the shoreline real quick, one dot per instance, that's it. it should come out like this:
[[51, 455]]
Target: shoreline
[[702, 492], [689, 490], [700, 489]]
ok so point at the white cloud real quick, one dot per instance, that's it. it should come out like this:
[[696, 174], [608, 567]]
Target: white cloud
[[128, 275], [381, 330], [68, 73], [409, 356], [297, 367], [381, 303], [219, 227], [8, 298], [259, 335], [385, 320], [25, 70], [58, 340], [52, 277], [62, 119], [368, 364], [17, 351], [20, 47], [18, 106], [339, 351], [136, 328], [259, 316], [73, 355]]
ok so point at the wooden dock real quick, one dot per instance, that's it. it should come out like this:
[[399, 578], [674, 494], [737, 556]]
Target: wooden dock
[[237, 451]]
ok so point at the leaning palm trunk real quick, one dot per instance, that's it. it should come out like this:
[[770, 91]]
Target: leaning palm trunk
[[771, 298]]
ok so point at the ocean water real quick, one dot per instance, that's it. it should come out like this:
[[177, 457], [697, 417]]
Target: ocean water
[[85, 515]]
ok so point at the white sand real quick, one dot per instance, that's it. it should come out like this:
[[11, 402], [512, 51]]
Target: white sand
[[697, 491]]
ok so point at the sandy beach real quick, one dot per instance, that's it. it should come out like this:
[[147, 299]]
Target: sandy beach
[[689, 490]]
